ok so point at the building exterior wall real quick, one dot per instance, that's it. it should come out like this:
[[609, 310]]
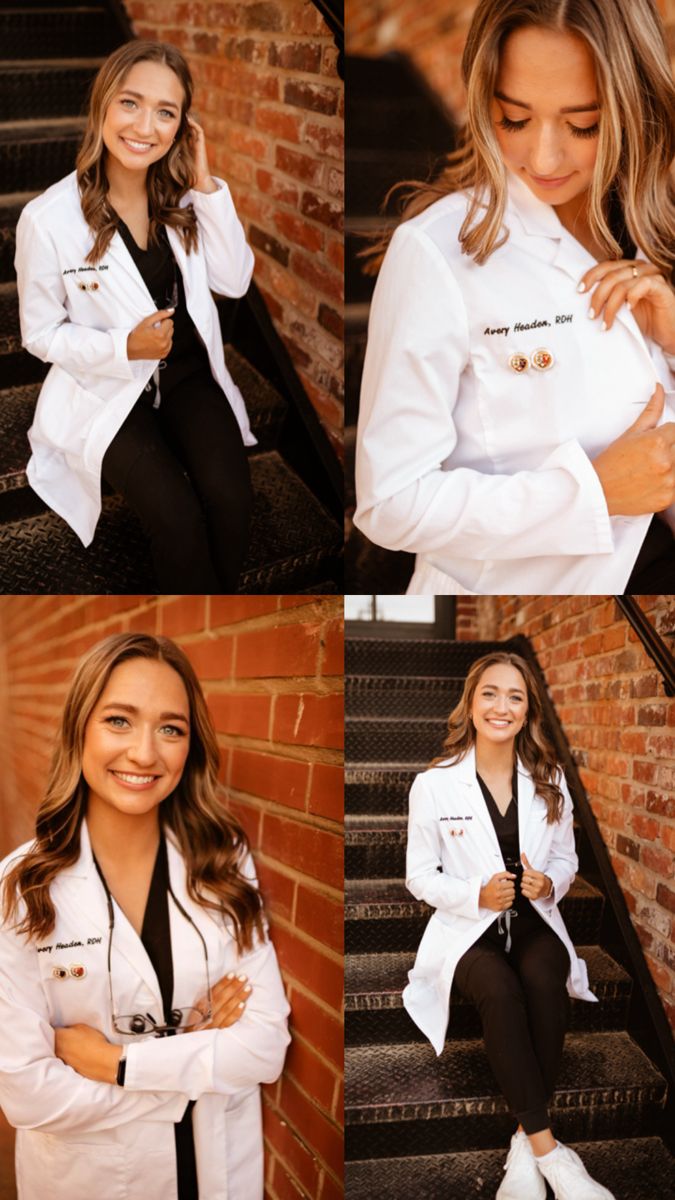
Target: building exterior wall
[[270, 100], [271, 668], [620, 725]]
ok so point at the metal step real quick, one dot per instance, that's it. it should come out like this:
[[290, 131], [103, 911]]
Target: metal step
[[30, 31], [375, 846], [35, 154], [385, 739], [11, 204], [423, 656], [293, 542], [403, 696], [381, 915], [404, 1100], [375, 1012], [373, 788], [41, 87], [632, 1169]]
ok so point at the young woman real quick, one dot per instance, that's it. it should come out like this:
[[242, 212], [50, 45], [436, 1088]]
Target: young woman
[[510, 441], [134, 915], [491, 848], [114, 266]]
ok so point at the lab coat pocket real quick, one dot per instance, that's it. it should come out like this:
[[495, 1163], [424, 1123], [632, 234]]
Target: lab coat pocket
[[65, 416], [79, 1169], [243, 1137]]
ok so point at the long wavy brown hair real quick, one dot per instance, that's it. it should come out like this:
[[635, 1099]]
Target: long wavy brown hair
[[532, 745], [168, 179], [632, 188], [212, 844]]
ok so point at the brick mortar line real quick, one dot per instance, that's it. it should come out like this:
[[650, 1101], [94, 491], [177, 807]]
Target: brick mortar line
[[276, 809], [296, 876], [310, 942], [325, 755]]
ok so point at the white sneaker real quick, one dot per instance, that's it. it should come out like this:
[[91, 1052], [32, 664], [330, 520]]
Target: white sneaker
[[569, 1178], [522, 1180]]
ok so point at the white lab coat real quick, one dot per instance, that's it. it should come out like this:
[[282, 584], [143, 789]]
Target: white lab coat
[[92, 386], [484, 473], [77, 1139], [449, 827]]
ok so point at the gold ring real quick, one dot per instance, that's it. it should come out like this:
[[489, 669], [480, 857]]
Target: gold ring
[[635, 272]]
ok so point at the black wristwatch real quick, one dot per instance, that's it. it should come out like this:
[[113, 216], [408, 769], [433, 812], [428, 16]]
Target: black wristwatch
[[121, 1069]]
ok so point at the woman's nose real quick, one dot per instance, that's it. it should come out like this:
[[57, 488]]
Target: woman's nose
[[545, 154], [143, 750]]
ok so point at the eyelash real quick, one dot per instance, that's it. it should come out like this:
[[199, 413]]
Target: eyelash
[[174, 728], [516, 126], [164, 110], [490, 696]]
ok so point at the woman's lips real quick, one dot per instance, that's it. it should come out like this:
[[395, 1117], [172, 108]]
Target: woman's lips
[[135, 781], [550, 182], [135, 148]]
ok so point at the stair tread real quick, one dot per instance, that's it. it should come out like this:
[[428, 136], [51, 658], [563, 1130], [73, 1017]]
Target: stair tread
[[376, 980], [408, 1082], [360, 826], [41, 128], [290, 533], [634, 1168], [47, 64], [393, 896]]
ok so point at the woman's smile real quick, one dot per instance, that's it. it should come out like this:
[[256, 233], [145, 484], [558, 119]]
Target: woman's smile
[[137, 782], [137, 147]]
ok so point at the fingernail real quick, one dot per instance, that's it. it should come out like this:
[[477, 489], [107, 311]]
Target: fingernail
[[241, 1004], [581, 287], [591, 314], [604, 327], [230, 975], [242, 977], [247, 988]]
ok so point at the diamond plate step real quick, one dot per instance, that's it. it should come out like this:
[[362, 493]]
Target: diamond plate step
[[40, 87], [406, 695], [375, 1012], [38, 153], [404, 1100], [633, 1169], [378, 789], [393, 739], [11, 204], [375, 846], [381, 915], [57, 31], [423, 656], [293, 543]]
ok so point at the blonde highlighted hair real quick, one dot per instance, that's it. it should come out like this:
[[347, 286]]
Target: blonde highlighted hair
[[532, 744], [168, 179], [636, 140], [212, 844]]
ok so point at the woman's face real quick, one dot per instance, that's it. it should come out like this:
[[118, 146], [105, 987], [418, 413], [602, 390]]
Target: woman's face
[[143, 116], [543, 75], [499, 707], [137, 738]]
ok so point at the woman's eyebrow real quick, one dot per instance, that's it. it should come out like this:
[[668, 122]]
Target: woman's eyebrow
[[164, 103], [131, 708], [576, 108]]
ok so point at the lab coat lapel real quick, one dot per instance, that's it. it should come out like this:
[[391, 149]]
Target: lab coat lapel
[[81, 891], [525, 797], [130, 289], [552, 242], [469, 782]]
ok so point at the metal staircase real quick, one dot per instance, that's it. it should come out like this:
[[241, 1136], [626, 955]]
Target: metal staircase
[[50, 52], [426, 1128]]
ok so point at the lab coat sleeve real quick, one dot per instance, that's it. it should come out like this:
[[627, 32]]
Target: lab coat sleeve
[[425, 877], [229, 259], [46, 330], [418, 347], [38, 1090], [562, 864], [221, 1060]]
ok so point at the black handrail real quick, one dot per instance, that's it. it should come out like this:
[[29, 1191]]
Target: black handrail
[[651, 640], [332, 12]]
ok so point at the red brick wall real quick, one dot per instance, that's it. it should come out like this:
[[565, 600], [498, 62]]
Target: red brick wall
[[432, 33], [270, 100], [620, 726], [271, 667]]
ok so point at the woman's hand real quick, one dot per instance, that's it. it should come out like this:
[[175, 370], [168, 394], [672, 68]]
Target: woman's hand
[[637, 471], [649, 296], [88, 1052], [203, 181], [152, 337], [229, 996], [499, 892], [534, 884]]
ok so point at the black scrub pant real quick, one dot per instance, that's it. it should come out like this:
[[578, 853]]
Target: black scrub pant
[[183, 470], [522, 1000]]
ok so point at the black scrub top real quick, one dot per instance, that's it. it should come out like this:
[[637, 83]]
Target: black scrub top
[[506, 828], [156, 938], [160, 272]]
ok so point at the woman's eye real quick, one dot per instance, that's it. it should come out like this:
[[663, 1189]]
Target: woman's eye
[[116, 722], [512, 126], [127, 101], [173, 729], [591, 131]]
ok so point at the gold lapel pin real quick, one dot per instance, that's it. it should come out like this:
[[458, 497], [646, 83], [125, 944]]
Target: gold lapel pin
[[542, 360], [519, 362]]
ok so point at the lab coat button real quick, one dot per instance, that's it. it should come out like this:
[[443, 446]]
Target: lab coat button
[[519, 362], [542, 360]]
